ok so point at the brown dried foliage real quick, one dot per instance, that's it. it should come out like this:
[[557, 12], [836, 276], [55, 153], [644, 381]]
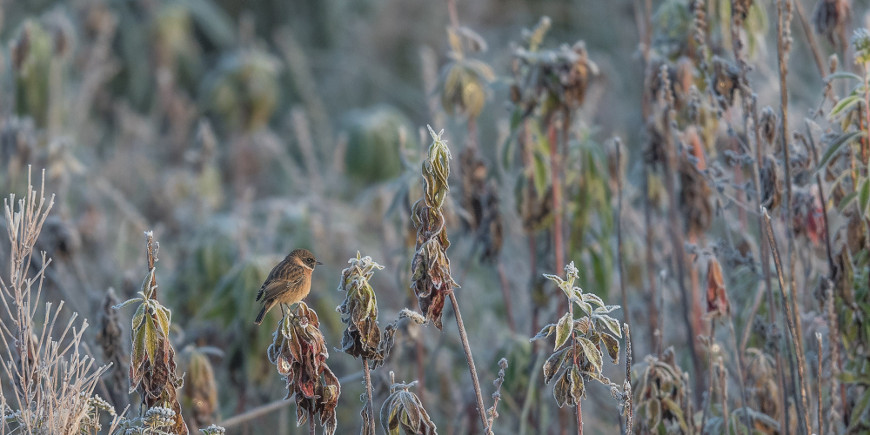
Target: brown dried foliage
[[299, 352]]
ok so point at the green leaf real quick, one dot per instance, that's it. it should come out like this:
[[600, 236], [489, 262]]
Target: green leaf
[[843, 75], [545, 332], [541, 174], [138, 317], [858, 411], [561, 391], [844, 104], [163, 315], [847, 200], [563, 329], [138, 346], [593, 298], [554, 363], [675, 410], [837, 144], [593, 355], [576, 384], [126, 303], [150, 338], [610, 323], [864, 196]]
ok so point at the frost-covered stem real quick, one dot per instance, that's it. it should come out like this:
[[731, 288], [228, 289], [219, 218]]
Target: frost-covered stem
[[626, 386], [481, 408], [619, 232], [791, 320], [311, 429], [370, 420]]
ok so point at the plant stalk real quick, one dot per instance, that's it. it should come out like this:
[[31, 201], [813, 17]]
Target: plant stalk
[[370, 420], [481, 408]]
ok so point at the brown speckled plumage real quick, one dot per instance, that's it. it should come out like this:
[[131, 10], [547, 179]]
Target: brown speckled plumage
[[288, 282]]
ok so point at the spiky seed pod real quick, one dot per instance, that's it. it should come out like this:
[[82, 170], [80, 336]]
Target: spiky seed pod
[[661, 395], [403, 412], [768, 123], [718, 304], [430, 268], [153, 367], [109, 339], [359, 311], [771, 184], [299, 352], [694, 198], [830, 17]]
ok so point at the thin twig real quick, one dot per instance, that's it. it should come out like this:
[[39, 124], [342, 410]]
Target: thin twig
[[626, 386], [370, 416], [819, 383], [619, 258], [481, 408], [811, 38], [790, 318]]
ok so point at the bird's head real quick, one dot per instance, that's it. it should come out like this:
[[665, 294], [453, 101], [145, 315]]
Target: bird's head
[[305, 258]]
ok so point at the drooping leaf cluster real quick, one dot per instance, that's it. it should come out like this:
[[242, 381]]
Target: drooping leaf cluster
[[299, 352]]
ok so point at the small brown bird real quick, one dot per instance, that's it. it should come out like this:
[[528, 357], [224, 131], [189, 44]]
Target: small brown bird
[[288, 282]]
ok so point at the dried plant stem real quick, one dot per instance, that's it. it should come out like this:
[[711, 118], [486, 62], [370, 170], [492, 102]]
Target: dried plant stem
[[819, 383], [556, 179], [506, 295], [812, 146], [481, 408], [811, 38], [311, 427], [708, 403], [739, 365], [676, 236], [790, 318], [619, 263], [626, 386], [650, 265], [370, 420]]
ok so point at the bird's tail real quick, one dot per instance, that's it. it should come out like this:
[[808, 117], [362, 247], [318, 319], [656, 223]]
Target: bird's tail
[[260, 316]]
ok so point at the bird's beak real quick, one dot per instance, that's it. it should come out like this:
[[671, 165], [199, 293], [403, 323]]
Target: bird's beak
[[318, 263]]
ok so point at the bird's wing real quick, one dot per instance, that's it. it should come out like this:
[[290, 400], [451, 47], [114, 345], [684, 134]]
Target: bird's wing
[[282, 276], [281, 285]]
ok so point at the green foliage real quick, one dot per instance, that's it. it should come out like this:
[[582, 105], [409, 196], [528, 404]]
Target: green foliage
[[580, 342], [375, 136]]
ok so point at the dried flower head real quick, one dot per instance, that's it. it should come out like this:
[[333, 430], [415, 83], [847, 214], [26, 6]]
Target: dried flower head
[[861, 44], [480, 200], [299, 352], [403, 411], [201, 388], [662, 396], [430, 268], [110, 341], [359, 311], [830, 18], [726, 81], [694, 198], [553, 78], [768, 125], [152, 366], [761, 384], [771, 183], [464, 79], [718, 304]]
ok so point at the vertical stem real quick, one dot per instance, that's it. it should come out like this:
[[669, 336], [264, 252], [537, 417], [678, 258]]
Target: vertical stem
[[650, 264], [311, 428], [555, 176], [626, 386], [481, 408], [790, 318], [619, 235], [819, 383], [370, 417], [506, 295]]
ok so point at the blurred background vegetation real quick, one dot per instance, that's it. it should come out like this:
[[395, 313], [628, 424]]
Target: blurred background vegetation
[[238, 131]]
